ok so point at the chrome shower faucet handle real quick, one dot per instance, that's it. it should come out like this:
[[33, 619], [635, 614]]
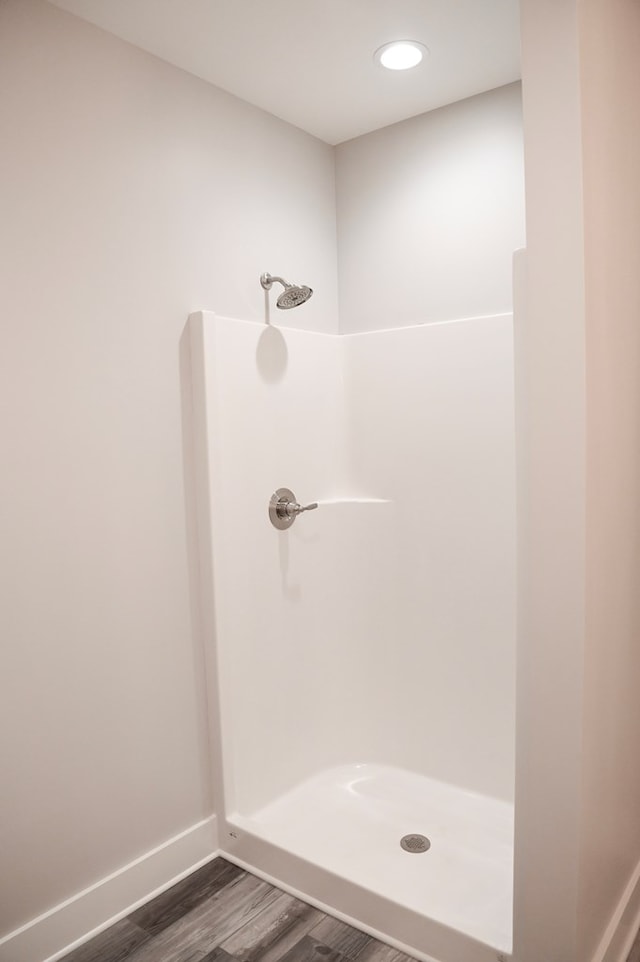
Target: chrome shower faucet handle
[[284, 508]]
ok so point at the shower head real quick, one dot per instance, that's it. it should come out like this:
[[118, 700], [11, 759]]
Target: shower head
[[292, 294]]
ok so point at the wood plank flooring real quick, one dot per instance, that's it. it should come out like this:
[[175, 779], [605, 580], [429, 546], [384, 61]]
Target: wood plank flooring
[[635, 951], [223, 914]]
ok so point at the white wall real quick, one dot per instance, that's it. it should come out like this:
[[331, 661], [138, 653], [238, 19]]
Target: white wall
[[430, 211], [610, 826], [381, 627], [550, 408], [578, 777], [131, 193]]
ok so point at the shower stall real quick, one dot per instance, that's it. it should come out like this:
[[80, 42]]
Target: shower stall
[[361, 654]]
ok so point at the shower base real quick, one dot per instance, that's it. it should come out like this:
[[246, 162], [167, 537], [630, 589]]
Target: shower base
[[335, 839]]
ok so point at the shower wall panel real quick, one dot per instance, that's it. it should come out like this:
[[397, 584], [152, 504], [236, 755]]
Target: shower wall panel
[[431, 428], [378, 628], [291, 607]]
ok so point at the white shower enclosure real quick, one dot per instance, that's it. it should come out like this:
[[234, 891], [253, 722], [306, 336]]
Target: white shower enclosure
[[362, 661]]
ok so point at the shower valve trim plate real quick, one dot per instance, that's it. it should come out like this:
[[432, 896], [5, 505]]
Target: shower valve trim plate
[[284, 508]]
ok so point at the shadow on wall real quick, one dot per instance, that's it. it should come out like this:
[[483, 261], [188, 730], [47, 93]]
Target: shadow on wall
[[271, 355], [292, 591]]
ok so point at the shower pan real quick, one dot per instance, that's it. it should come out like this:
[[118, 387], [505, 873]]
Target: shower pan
[[361, 655]]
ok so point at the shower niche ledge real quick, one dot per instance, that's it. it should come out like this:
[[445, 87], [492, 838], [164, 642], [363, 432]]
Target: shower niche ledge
[[361, 660]]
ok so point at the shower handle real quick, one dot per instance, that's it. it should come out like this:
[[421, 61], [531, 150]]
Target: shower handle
[[293, 510], [284, 508]]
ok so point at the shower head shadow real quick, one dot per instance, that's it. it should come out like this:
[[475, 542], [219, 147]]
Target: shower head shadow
[[292, 294]]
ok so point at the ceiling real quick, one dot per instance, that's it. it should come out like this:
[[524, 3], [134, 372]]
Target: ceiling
[[310, 62]]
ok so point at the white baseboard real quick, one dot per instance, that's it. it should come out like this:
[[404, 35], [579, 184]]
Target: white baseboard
[[51, 935], [621, 932], [329, 910]]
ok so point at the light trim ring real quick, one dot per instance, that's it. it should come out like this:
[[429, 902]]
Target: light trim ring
[[400, 54]]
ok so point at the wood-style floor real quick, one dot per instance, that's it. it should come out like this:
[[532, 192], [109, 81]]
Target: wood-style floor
[[223, 914]]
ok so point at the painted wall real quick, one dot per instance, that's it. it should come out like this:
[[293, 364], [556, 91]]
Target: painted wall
[[550, 419], [610, 825], [577, 371], [430, 212], [381, 627], [131, 194]]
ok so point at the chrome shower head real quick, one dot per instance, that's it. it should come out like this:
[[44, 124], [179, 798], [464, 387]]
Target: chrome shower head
[[292, 294]]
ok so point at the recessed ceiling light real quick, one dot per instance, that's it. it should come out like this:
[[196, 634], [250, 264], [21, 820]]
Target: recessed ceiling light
[[400, 54]]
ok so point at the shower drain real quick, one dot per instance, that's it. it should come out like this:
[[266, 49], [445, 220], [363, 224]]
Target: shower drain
[[415, 843]]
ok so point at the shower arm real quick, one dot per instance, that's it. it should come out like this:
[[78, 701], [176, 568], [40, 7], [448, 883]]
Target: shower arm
[[267, 280]]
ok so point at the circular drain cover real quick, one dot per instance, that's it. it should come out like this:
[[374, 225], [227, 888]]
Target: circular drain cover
[[415, 843]]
